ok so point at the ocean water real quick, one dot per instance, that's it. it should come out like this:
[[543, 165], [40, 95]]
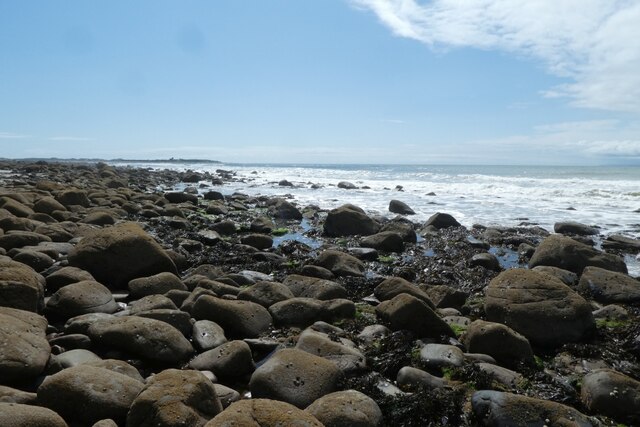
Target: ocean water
[[603, 196]]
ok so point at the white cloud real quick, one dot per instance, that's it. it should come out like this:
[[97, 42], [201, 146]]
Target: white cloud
[[592, 43], [70, 138], [11, 135]]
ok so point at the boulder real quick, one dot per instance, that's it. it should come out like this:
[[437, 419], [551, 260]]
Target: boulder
[[410, 378], [609, 287], [347, 185], [405, 311], [207, 335], [262, 224], [117, 366], [15, 207], [25, 350], [567, 277], [396, 206], [568, 254], [394, 286], [181, 197], [175, 398], [231, 359], [444, 296], [20, 286], [347, 358], [313, 287], [103, 394], [241, 319], [495, 408], [258, 241], [73, 197], [499, 341], [340, 263], [18, 239], [13, 395], [349, 220], [146, 338], [610, 393], [572, 227], [540, 307], [439, 356], [386, 241], [266, 293], [622, 243], [485, 260], [282, 209], [81, 298], [48, 205], [39, 261], [66, 276], [302, 312], [180, 320], [20, 415], [441, 220], [294, 376], [160, 283], [107, 255], [346, 408], [263, 413], [403, 227]]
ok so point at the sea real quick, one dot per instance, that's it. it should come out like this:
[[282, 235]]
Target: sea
[[604, 196]]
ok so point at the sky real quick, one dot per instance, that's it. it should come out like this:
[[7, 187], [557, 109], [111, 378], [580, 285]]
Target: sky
[[322, 81]]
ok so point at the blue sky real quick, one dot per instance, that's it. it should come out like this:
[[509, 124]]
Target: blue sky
[[330, 81]]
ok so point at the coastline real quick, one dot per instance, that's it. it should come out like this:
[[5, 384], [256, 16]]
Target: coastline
[[248, 240]]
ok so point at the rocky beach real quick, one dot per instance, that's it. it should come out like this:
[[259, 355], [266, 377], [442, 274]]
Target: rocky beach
[[138, 297]]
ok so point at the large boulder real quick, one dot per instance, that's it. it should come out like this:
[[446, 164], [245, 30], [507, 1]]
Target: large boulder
[[539, 306], [346, 408], [231, 359], [282, 209], [314, 287], [241, 319], [108, 253], [566, 253], [394, 286], [81, 298], [302, 312], [346, 357], [263, 413], [399, 207], [20, 286], [441, 220], [611, 393], [349, 220], [86, 394], [160, 283], [499, 341], [266, 293], [405, 311], [175, 398], [609, 287], [25, 350], [572, 227], [19, 415], [498, 409], [340, 263], [18, 239], [386, 241], [294, 376], [146, 338]]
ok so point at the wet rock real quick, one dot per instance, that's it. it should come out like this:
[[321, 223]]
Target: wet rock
[[160, 283], [213, 195], [25, 350], [294, 376], [441, 356], [146, 338], [394, 286], [441, 220], [81, 298], [266, 293], [347, 358], [623, 243], [262, 224], [313, 287], [340, 263], [107, 253], [411, 378], [175, 398], [386, 241], [495, 408], [282, 209], [346, 408], [103, 393], [485, 260], [349, 220], [538, 306], [396, 206], [237, 318], [302, 312], [263, 413], [403, 227], [346, 185], [609, 287], [568, 254], [20, 415], [408, 312], [258, 241], [611, 393], [498, 341], [231, 359], [181, 197], [20, 286], [364, 254], [572, 227]]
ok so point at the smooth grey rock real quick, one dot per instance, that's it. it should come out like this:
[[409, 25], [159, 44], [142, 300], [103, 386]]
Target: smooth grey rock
[[405, 311], [207, 335], [263, 413], [346, 408], [231, 359], [242, 319]]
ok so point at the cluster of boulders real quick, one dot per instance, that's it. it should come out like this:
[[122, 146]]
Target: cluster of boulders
[[121, 304]]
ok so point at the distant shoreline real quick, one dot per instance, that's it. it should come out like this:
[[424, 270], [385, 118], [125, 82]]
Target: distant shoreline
[[93, 160]]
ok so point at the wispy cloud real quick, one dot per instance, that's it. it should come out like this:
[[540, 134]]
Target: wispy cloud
[[70, 138], [11, 135], [393, 121], [589, 42]]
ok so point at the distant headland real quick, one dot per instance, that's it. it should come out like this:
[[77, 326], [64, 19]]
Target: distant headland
[[118, 160]]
